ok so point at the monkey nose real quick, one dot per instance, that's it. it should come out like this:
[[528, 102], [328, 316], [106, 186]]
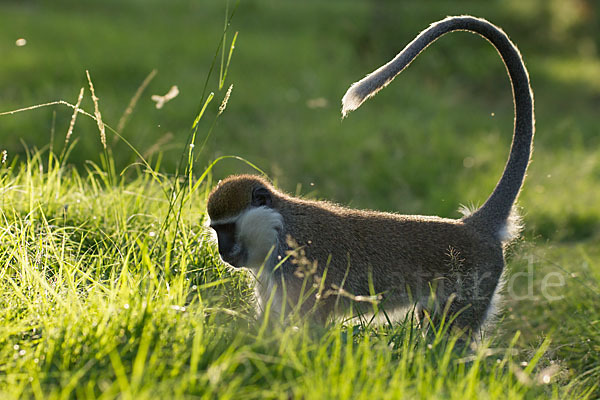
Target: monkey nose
[[236, 257]]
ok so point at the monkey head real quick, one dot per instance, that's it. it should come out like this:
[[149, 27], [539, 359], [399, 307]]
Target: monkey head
[[242, 211]]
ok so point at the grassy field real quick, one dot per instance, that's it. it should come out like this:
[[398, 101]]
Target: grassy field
[[110, 286]]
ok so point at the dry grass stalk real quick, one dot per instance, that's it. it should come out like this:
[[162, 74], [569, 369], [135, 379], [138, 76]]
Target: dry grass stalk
[[166, 138], [97, 111], [74, 117], [134, 100]]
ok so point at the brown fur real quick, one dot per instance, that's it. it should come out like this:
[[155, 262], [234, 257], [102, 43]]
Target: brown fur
[[349, 257], [228, 200], [403, 257]]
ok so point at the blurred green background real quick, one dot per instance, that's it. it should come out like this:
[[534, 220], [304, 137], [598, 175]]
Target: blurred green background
[[437, 137]]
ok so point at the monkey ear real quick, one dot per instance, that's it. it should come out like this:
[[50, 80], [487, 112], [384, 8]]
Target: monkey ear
[[261, 197]]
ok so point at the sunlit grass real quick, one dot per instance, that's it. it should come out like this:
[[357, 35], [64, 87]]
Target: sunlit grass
[[110, 286], [97, 301], [105, 294]]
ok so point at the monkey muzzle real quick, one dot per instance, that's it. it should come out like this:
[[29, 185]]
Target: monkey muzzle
[[236, 257], [231, 251]]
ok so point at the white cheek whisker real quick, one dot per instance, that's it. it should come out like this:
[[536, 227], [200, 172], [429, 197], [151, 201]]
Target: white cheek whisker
[[258, 231]]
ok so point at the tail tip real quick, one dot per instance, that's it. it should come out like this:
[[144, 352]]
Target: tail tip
[[351, 100]]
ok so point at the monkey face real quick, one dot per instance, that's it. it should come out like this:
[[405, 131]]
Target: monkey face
[[231, 251], [248, 240], [244, 217]]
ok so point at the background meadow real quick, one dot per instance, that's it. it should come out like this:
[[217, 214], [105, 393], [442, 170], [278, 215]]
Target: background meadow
[[109, 285]]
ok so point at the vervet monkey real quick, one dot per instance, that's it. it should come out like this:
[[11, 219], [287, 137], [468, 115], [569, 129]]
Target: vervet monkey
[[356, 255]]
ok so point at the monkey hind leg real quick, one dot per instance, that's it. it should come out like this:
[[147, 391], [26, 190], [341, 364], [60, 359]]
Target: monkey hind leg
[[474, 291], [469, 315], [459, 312]]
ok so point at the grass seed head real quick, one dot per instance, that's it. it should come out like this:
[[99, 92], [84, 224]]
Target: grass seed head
[[74, 117], [225, 100], [97, 111]]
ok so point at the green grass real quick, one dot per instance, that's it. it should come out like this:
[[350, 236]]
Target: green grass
[[101, 299], [109, 284]]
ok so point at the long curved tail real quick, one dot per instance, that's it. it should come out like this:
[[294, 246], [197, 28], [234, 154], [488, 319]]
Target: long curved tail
[[493, 215]]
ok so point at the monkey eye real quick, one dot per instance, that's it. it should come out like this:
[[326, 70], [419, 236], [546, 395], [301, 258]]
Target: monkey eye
[[261, 197]]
